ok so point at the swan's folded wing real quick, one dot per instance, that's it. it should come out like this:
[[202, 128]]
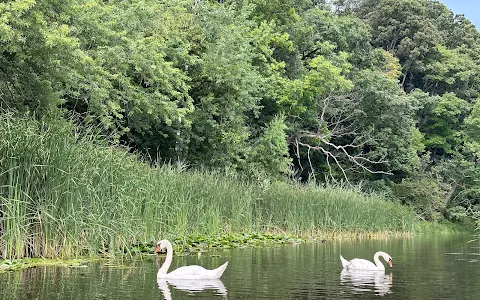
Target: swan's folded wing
[[188, 271], [361, 264]]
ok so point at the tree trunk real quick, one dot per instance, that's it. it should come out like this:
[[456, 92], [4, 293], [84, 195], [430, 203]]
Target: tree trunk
[[450, 194]]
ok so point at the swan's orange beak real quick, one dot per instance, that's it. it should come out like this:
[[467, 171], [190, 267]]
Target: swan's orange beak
[[157, 249], [390, 262]]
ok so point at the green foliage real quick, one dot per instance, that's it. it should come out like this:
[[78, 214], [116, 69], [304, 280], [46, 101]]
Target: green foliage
[[388, 115], [442, 121], [88, 57], [388, 64], [457, 214], [225, 90], [283, 12], [132, 82], [472, 130], [422, 194], [36, 47], [433, 45], [401, 27], [459, 178], [319, 31], [452, 71], [270, 153]]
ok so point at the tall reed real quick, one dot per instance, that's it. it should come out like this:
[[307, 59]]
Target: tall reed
[[66, 193]]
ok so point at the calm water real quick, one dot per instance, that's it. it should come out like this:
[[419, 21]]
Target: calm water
[[441, 267]]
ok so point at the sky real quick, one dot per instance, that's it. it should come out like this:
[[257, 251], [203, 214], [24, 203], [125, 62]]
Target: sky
[[470, 8]]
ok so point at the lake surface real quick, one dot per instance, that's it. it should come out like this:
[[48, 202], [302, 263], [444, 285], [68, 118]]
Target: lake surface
[[437, 267]]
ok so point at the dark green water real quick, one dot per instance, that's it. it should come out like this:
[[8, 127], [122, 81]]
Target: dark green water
[[439, 267]]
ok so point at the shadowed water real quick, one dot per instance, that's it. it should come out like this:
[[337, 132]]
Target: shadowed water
[[439, 267]]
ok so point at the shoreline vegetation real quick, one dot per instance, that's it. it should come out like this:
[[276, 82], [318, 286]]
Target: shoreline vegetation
[[68, 194], [198, 244]]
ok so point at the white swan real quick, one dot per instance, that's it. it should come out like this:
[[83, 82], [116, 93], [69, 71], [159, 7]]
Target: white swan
[[363, 264], [187, 272]]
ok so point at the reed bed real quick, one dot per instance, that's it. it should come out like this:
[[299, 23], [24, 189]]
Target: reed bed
[[64, 193]]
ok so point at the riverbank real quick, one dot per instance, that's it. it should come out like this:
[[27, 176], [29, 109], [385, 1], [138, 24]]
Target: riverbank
[[195, 245], [68, 194]]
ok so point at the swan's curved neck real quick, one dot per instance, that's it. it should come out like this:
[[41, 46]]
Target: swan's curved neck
[[166, 264], [378, 263]]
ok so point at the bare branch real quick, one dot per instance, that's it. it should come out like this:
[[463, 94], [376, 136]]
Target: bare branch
[[339, 136]]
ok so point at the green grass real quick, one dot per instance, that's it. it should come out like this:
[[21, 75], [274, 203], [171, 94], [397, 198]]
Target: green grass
[[443, 227], [68, 194]]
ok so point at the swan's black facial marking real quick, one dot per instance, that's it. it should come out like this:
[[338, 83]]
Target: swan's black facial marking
[[161, 246], [158, 247]]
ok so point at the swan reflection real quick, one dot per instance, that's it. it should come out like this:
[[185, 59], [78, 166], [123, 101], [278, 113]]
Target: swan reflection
[[361, 281], [192, 286]]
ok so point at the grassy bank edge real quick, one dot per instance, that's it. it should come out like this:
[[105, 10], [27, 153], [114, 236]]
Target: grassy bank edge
[[190, 245]]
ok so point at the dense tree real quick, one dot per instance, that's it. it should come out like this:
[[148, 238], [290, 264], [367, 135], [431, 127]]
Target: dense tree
[[452, 71], [379, 92], [401, 27], [134, 81], [225, 89], [37, 48], [270, 154]]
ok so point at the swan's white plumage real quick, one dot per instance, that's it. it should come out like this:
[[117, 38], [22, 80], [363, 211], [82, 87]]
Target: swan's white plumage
[[363, 264], [188, 272]]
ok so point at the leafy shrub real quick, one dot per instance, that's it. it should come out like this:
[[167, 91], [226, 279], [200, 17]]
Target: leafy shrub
[[423, 195]]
